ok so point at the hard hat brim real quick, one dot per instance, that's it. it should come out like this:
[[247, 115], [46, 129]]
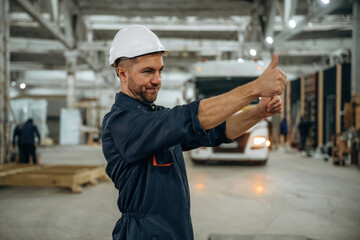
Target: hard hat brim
[[164, 52]]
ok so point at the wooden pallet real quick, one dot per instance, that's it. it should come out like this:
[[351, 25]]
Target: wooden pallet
[[69, 176]]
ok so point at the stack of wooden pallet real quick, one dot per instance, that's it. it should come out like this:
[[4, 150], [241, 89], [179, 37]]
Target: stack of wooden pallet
[[68, 176], [352, 113], [348, 142]]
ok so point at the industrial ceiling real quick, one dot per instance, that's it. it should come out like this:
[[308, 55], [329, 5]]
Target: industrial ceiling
[[308, 35]]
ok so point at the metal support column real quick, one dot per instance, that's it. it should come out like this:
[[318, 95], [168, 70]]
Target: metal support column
[[71, 57], [355, 55], [98, 81], [4, 81]]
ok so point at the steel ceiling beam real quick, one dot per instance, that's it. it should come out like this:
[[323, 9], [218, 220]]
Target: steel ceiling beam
[[318, 13], [54, 30], [176, 45], [289, 9], [270, 21], [68, 40]]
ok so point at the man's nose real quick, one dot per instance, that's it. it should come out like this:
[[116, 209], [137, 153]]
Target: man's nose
[[157, 78]]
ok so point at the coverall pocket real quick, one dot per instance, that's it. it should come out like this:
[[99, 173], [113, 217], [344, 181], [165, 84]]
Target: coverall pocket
[[163, 158]]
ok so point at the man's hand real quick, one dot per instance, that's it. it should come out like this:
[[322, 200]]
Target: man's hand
[[213, 111], [269, 106], [272, 81]]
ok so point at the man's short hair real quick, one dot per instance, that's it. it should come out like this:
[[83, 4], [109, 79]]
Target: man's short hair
[[127, 63], [124, 62]]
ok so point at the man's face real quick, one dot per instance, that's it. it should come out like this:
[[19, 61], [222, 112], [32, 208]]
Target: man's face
[[144, 79]]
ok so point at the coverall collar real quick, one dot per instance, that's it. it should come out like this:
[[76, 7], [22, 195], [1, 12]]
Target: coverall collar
[[150, 106]]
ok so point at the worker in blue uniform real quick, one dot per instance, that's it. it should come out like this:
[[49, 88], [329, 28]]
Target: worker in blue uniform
[[143, 143], [27, 138]]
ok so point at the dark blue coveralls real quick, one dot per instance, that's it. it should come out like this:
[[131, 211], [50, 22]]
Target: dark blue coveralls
[[143, 146]]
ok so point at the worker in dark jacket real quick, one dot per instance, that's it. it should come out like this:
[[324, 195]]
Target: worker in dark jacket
[[304, 127], [16, 136], [27, 138], [143, 143]]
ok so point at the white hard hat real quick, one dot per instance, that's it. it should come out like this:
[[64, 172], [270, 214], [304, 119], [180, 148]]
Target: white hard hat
[[134, 41]]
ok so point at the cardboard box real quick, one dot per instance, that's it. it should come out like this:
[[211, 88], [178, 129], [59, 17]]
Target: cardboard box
[[349, 115], [356, 99], [357, 117]]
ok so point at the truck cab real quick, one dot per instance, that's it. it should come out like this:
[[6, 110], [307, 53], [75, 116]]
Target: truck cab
[[214, 78]]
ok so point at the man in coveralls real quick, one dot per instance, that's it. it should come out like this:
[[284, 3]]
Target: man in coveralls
[[143, 143]]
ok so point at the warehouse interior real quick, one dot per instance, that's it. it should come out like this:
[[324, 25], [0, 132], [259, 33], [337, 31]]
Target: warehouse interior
[[54, 69]]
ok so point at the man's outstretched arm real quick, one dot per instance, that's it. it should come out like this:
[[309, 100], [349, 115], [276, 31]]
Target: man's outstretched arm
[[239, 123], [215, 110]]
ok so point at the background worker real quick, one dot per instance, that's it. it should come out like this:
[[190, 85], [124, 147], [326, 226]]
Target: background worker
[[16, 136], [143, 143], [304, 128], [27, 138]]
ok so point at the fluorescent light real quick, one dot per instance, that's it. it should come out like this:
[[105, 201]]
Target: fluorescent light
[[252, 52], [23, 85], [292, 23], [326, 1], [269, 40]]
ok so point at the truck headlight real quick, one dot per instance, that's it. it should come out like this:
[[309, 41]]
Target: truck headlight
[[260, 142]]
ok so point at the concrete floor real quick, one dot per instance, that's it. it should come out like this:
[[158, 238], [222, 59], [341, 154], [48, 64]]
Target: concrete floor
[[291, 195]]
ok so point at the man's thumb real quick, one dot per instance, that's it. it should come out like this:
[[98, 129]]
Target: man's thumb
[[274, 61]]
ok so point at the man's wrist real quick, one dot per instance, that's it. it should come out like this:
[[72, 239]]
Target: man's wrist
[[259, 113], [253, 89]]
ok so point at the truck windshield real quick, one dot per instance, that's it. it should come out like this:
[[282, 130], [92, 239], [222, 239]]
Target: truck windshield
[[211, 86]]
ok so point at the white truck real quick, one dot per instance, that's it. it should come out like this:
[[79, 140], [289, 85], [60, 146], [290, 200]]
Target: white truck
[[213, 78]]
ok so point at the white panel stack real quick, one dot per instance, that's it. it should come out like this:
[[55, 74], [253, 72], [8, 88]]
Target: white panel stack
[[70, 121]]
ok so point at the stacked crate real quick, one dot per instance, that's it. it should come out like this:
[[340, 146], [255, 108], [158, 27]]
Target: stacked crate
[[352, 125], [310, 110], [352, 113]]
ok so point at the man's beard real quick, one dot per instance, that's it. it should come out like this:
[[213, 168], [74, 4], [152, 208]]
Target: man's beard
[[141, 93]]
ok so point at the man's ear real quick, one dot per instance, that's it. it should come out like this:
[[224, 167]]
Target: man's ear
[[122, 73]]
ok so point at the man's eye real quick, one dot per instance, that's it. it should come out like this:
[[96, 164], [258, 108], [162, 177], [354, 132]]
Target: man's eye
[[147, 71]]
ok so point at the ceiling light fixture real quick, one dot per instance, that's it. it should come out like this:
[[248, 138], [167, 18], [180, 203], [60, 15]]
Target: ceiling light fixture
[[326, 1], [240, 60], [269, 40], [23, 85], [292, 23], [252, 52]]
